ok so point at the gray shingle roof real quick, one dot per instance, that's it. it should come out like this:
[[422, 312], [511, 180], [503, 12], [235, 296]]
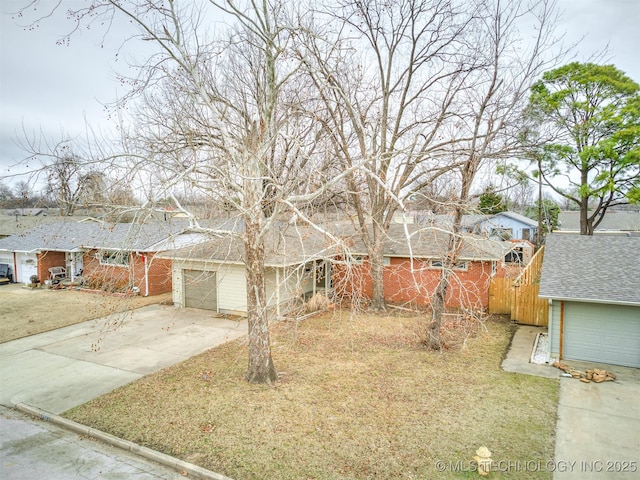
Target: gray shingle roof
[[71, 236], [600, 269], [612, 221], [290, 245]]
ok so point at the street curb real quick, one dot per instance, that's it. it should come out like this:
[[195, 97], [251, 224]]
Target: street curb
[[163, 459]]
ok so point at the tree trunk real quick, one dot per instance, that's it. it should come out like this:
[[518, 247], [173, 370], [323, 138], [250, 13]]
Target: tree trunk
[[437, 309], [376, 261], [261, 368]]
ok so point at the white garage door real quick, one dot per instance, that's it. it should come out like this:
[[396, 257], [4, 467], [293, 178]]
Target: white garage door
[[602, 333], [200, 289]]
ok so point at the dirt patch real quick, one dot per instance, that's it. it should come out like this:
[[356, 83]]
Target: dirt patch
[[25, 311]]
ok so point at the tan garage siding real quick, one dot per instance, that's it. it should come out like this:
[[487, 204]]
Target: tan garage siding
[[230, 279]]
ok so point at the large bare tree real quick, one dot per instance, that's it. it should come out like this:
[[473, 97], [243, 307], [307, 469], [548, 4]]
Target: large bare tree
[[387, 73], [489, 110], [225, 111]]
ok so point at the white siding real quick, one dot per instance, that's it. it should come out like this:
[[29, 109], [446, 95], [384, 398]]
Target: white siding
[[232, 288], [27, 266]]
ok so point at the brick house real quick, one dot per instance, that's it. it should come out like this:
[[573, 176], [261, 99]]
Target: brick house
[[301, 262], [413, 266], [114, 257]]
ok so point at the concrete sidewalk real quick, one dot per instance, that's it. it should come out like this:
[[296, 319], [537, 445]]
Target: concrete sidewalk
[[598, 426], [58, 370], [64, 368]]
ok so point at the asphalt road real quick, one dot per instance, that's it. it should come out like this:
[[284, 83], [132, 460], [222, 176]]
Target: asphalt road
[[35, 449]]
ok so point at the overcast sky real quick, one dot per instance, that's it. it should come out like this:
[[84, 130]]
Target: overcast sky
[[53, 88]]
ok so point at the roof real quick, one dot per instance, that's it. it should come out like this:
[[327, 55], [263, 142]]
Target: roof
[[512, 215], [293, 245], [613, 220], [602, 269], [69, 236]]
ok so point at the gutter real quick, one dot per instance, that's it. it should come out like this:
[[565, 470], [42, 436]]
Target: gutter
[[592, 300]]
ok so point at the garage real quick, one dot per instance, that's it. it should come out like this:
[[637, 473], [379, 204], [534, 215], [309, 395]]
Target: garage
[[602, 333], [593, 289], [200, 289]]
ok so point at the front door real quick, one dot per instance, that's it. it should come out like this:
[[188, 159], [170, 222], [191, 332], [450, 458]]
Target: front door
[[74, 264]]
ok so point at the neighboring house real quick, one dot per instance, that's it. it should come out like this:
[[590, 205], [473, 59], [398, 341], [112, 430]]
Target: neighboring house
[[106, 255], [593, 288], [505, 226], [15, 221], [614, 222], [413, 268], [211, 275]]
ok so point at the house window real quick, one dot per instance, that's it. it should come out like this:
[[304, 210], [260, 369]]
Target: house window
[[457, 266], [357, 259], [386, 261], [116, 258], [501, 233]]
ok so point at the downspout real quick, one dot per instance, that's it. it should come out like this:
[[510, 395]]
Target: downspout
[[15, 267], [146, 272], [145, 260], [561, 353]]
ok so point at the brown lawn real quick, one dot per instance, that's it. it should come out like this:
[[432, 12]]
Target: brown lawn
[[358, 398], [25, 311]]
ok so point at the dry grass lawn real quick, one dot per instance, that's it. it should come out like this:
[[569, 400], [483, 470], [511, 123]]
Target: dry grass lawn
[[25, 311], [357, 398]]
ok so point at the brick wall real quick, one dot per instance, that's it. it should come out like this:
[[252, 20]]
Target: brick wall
[[159, 272], [415, 286], [47, 260], [159, 275]]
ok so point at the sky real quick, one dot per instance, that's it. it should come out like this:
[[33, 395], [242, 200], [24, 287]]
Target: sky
[[59, 90]]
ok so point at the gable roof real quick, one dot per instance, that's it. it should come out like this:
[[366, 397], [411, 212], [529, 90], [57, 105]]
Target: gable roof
[[602, 269], [70, 236], [512, 215], [292, 245]]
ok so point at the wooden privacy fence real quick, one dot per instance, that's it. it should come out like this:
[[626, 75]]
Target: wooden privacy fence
[[519, 297]]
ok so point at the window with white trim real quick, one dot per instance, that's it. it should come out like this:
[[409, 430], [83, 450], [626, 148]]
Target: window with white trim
[[457, 266], [114, 257]]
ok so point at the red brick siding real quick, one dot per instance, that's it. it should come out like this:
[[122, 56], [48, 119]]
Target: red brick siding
[[47, 260], [159, 272], [468, 288], [159, 275]]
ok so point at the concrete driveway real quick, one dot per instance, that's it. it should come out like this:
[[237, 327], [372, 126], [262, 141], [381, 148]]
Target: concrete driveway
[[598, 429], [64, 368]]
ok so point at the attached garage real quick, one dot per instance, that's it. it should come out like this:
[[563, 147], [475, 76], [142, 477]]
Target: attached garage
[[200, 289], [602, 333], [594, 292]]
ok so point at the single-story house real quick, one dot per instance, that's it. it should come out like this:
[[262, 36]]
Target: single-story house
[[108, 256], [413, 259], [593, 288], [301, 262], [505, 226]]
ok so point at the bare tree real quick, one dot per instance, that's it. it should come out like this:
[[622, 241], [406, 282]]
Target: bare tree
[[489, 111], [227, 116], [70, 181], [387, 73]]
